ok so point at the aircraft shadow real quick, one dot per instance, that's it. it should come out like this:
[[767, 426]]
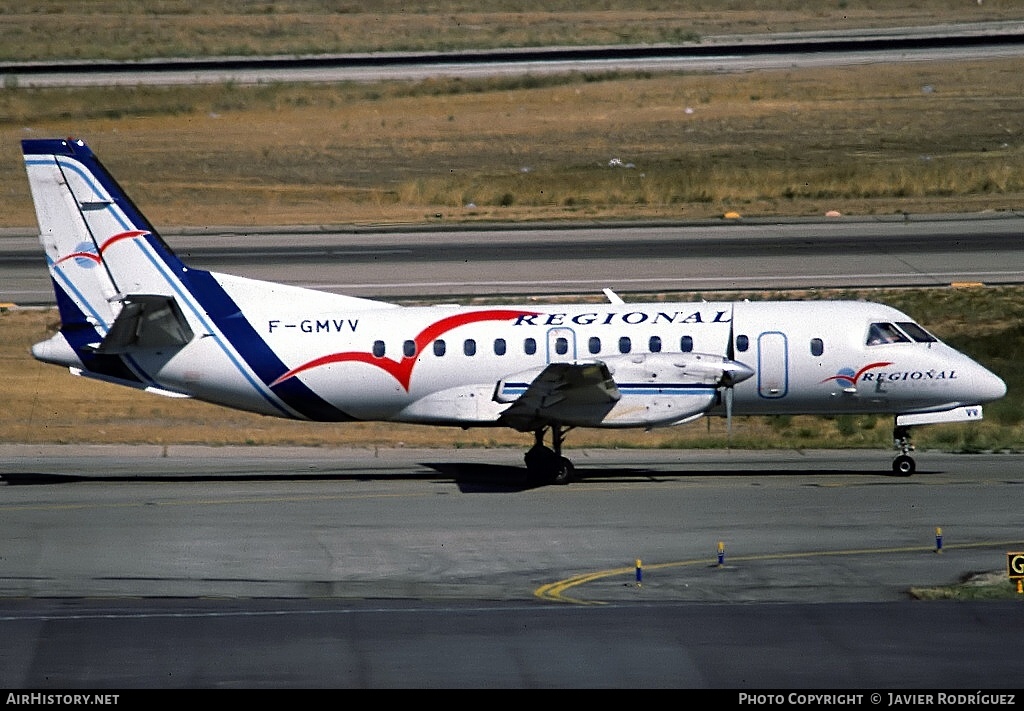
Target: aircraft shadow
[[480, 478], [468, 476]]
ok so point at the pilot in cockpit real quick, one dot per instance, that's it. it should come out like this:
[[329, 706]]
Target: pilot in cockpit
[[880, 333]]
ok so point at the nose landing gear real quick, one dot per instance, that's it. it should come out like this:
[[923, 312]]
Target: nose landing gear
[[904, 464]]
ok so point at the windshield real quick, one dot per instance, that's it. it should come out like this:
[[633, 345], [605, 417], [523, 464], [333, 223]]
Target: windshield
[[916, 332], [880, 333]]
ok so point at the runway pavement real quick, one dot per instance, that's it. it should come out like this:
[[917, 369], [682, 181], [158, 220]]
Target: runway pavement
[[129, 568], [469, 524]]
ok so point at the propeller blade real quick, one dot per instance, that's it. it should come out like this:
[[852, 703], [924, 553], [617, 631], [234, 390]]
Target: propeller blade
[[732, 375], [728, 415]]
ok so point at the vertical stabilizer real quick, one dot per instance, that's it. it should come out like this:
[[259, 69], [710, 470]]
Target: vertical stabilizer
[[132, 313], [102, 253], [98, 245]]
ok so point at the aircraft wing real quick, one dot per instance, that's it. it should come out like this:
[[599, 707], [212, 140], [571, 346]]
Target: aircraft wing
[[577, 393]]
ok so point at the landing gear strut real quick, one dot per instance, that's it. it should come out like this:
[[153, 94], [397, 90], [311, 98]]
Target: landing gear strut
[[904, 464], [548, 462]]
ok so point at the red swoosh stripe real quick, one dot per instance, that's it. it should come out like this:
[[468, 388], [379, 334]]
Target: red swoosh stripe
[[96, 257], [92, 256], [402, 370], [118, 237]]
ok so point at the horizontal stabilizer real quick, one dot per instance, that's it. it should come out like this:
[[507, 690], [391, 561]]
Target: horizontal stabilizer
[[146, 321]]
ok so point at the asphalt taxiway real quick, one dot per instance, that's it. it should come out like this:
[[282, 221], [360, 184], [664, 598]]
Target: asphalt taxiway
[[197, 567], [734, 526]]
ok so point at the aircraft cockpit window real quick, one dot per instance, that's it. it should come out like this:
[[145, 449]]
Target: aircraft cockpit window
[[916, 332], [880, 333]]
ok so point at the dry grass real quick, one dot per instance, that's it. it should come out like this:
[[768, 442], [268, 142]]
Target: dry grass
[[119, 29], [930, 137], [927, 137]]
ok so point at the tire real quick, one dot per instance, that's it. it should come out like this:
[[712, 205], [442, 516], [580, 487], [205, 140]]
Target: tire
[[539, 460], [563, 472], [904, 465]]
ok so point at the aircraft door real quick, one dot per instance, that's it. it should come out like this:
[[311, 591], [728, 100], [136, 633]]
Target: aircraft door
[[772, 365], [561, 345]]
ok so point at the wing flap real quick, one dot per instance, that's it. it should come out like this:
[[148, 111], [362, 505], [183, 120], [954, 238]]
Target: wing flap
[[579, 393]]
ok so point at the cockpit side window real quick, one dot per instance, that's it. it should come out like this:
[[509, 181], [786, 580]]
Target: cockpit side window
[[916, 332], [885, 333]]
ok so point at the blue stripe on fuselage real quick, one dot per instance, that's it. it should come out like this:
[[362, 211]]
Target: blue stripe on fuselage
[[263, 361]]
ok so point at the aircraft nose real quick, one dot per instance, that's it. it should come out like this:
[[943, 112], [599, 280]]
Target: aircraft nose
[[989, 386]]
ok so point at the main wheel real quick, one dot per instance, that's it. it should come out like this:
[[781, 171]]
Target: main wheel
[[563, 472], [540, 460], [904, 465]]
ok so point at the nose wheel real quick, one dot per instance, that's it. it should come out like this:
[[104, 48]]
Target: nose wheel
[[904, 464], [548, 462]]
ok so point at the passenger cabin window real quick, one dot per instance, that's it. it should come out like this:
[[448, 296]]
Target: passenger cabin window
[[499, 346], [742, 343], [686, 344], [654, 345], [469, 347], [378, 349], [916, 332], [817, 346], [409, 349], [594, 345], [880, 333], [439, 347], [530, 346], [625, 345]]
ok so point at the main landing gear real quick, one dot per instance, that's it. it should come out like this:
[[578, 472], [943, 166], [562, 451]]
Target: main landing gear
[[904, 464], [548, 462]]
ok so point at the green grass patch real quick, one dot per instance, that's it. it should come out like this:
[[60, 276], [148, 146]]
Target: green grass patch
[[975, 586]]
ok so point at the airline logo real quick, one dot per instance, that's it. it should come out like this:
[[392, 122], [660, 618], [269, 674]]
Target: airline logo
[[86, 255], [848, 377]]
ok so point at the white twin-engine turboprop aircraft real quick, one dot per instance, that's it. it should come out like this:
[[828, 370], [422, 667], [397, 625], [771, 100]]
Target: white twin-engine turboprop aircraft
[[133, 313]]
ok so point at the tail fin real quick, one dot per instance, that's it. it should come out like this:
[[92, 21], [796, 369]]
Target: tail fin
[[132, 313], [98, 245], [108, 265]]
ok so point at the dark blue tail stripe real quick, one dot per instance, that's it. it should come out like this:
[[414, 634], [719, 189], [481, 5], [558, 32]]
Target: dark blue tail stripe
[[214, 304], [263, 361]]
